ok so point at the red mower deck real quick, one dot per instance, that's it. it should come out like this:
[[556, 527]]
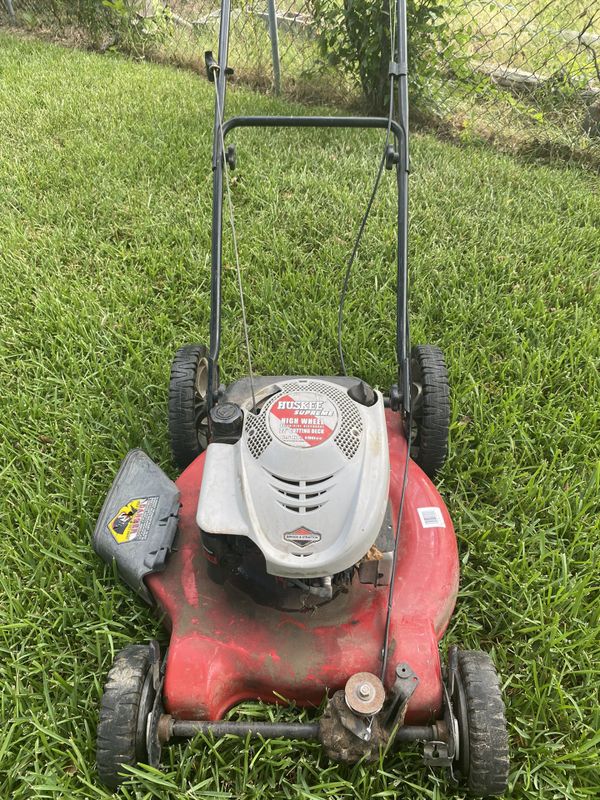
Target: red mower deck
[[226, 648]]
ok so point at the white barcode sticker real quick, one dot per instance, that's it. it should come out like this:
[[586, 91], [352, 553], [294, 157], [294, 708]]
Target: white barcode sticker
[[431, 517]]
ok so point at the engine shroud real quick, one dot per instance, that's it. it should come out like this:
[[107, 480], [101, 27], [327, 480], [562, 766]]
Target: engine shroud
[[225, 648], [307, 481]]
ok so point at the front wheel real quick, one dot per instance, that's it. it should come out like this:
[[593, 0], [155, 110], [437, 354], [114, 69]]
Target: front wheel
[[483, 759], [127, 702]]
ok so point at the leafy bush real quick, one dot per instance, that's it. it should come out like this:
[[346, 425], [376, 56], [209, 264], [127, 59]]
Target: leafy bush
[[354, 34], [140, 33], [136, 26], [87, 15]]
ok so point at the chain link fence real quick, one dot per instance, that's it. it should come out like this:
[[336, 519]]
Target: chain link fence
[[528, 72], [525, 74]]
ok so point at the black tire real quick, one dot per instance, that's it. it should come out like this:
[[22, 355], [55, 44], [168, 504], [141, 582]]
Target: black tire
[[188, 428], [126, 703], [431, 408], [483, 760]]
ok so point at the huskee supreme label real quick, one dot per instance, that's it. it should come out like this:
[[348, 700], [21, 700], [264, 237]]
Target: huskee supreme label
[[303, 419]]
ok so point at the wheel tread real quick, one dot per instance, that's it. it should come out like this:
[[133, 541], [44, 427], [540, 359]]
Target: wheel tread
[[488, 735], [183, 433], [434, 420], [119, 708]]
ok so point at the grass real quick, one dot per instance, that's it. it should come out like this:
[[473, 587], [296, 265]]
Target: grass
[[104, 241], [554, 117]]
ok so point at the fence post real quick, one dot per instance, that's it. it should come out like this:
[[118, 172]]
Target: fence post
[[10, 9], [274, 45]]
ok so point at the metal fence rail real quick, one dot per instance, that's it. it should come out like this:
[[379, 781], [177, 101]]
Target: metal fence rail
[[526, 73]]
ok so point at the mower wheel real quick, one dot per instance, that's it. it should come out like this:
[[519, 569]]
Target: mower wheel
[[483, 759], [188, 425], [126, 704], [431, 409]]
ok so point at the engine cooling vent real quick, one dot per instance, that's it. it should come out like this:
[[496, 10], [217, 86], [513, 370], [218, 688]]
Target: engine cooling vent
[[301, 496], [257, 435], [350, 432]]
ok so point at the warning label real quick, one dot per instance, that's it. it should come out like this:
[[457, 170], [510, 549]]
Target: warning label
[[133, 521], [303, 419]]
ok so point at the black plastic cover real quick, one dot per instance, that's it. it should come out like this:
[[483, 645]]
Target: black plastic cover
[[226, 421], [362, 393], [138, 521]]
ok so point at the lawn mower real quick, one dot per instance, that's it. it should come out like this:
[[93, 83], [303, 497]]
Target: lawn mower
[[303, 554]]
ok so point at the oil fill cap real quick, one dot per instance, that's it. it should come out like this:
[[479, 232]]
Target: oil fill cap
[[226, 420], [362, 393]]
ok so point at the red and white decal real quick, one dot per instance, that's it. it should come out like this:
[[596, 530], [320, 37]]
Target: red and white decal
[[302, 537], [303, 419]]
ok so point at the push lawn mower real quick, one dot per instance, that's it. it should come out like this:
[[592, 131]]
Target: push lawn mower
[[304, 552]]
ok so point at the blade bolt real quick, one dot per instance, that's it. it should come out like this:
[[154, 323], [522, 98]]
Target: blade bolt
[[364, 691]]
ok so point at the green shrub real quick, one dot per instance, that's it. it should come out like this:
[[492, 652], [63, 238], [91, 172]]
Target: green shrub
[[354, 34], [138, 33], [89, 15]]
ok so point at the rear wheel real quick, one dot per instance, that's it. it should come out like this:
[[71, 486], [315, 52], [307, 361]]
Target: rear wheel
[[188, 422], [126, 704], [431, 408], [483, 759]]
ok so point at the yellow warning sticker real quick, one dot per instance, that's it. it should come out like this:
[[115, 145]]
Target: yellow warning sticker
[[132, 521]]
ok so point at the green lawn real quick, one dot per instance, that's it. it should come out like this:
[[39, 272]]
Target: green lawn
[[104, 241]]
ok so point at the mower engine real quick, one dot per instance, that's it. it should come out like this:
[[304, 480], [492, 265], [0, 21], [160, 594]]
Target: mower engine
[[303, 478]]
